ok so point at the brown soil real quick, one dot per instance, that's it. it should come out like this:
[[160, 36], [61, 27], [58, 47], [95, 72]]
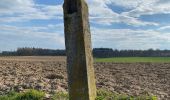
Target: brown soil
[[49, 74]]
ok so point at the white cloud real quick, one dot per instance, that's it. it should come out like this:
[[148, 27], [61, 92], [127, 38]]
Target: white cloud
[[100, 13], [56, 26], [31, 33], [16, 6], [128, 38], [164, 28], [131, 3], [145, 7], [55, 11], [141, 7], [26, 10]]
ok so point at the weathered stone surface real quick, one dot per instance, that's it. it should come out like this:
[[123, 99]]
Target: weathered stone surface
[[79, 52]]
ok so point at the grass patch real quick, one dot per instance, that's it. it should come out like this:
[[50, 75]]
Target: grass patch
[[60, 96], [134, 59], [106, 95], [28, 95], [101, 95]]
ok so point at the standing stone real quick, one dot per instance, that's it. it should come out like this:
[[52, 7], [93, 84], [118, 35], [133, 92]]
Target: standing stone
[[79, 51]]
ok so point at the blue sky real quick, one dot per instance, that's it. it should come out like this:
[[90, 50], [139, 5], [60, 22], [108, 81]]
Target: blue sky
[[117, 24]]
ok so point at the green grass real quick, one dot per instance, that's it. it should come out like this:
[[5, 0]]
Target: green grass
[[106, 95], [101, 95], [28, 95], [60, 96], [134, 59]]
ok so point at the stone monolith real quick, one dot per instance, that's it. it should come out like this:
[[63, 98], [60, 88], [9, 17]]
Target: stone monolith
[[81, 78]]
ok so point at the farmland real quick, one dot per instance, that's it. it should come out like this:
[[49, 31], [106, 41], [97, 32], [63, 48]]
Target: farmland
[[135, 59], [131, 76]]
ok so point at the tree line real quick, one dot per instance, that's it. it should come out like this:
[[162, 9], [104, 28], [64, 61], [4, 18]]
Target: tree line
[[108, 52], [33, 52], [97, 52]]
